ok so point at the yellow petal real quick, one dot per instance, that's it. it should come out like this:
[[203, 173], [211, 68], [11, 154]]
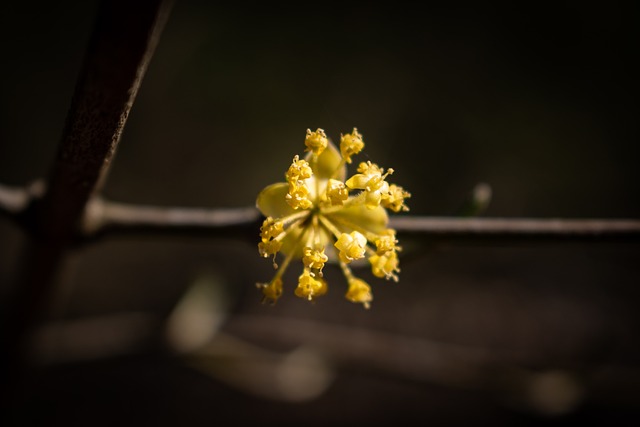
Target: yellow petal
[[272, 201], [291, 242], [328, 163], [358, 181], [374, 220]]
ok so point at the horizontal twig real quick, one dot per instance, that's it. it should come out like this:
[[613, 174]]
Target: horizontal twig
[[517, 227], [104, 217]]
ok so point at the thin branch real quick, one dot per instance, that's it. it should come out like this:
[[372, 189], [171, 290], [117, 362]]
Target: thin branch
[[106, 216], [517, 228]]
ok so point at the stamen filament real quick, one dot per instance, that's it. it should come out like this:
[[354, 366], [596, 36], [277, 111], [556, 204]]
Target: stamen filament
[[371, 237], [329, 226], [346, 270], [294, 216]]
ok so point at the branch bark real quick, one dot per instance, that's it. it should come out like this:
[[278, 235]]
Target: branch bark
[[105, 217], [517, 228], [122, 44]]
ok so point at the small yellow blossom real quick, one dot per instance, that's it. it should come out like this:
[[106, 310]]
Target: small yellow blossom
[[269, 247], [314, 258], [320, 216], [271, 229], [298, 197], [385, 265], [386, 242], [316, 142], [351, 246], [394, 198], [298, 171], [272, 290], [371, 179], [359, 292], [337, 192], [310, 287], [351, 144]]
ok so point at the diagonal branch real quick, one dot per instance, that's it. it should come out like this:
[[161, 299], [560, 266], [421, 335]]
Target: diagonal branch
[[123, 41]]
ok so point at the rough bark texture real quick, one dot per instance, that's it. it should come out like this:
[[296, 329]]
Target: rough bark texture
[[121, 46], [123, 42]]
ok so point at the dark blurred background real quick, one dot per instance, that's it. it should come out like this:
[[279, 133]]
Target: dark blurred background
[[539, 102]]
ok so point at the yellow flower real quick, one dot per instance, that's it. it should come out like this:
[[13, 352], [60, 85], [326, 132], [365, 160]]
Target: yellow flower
[[386, 242], [314, 258], [351, 144], [320, 216], [352, 246], [316, 142], [298, 197], [310, 287], [299, 169], [385, 265], [337, 192], [272, 290], [394, 198], [271, 229], [359, 292], [371, 179]]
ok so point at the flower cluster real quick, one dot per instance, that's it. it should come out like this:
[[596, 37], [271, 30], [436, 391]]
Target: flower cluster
[[319, 216]]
